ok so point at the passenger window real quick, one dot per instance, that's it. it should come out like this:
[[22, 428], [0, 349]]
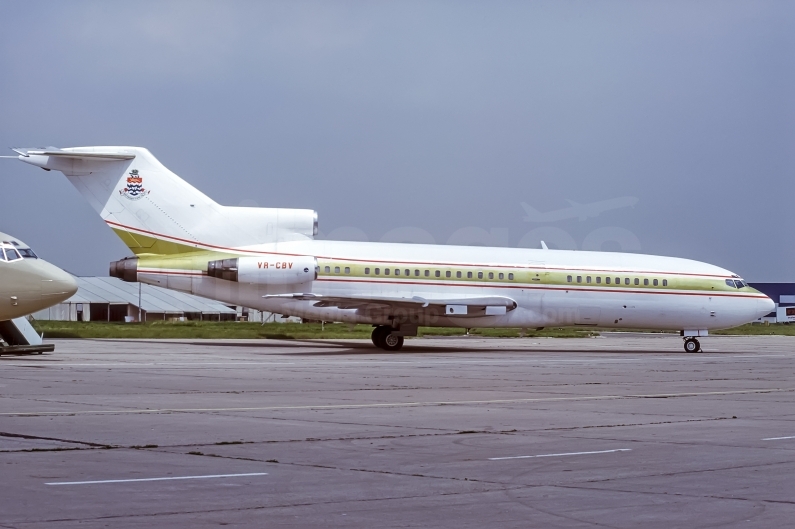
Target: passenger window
[[397, 271], [579, 279], [665, 282], [377, 271], [448, 274], [408, 272], [469, 275], [428, 273], [502, 276], [328, 269], [437, 273], [598, 280], [626, 280], [417, 273], [336, 269], [458, 274], [637, 281], [510, 276], [491, 275], [568, 279], [588, 279], [655, 282], [618, 281], [607, 280], [480, 275], [646, 282], [386, 271], [367, 271], [347, 269]]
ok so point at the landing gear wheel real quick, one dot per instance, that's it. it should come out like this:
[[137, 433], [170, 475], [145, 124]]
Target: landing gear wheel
[[692, 346], [379, 335], [392, 342]]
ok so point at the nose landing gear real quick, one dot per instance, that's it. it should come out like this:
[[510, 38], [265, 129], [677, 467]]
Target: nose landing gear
[[692, 345], [384, 339]]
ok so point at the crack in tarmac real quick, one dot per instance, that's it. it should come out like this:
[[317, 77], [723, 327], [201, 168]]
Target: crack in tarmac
[[260, 507]]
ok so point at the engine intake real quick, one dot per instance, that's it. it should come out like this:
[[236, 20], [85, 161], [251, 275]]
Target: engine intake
[[125, 269], [266, 270], [223, 269]]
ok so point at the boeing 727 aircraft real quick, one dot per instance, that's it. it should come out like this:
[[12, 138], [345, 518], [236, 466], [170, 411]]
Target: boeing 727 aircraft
[[267, 259]]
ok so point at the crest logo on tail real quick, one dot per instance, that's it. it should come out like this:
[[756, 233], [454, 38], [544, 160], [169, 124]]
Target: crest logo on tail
[[134, 190]]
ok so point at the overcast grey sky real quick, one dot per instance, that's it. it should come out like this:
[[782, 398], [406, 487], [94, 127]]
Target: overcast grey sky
[[432, 118]]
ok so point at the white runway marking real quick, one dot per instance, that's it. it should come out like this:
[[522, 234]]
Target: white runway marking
[[778, 438], [156, 479], [397, 404], [560, 455]]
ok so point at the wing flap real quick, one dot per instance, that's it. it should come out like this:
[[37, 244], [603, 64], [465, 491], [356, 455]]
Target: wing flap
[[473, 306]]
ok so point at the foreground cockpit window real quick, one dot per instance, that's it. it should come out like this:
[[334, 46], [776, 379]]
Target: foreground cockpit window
[[10, 254], [27, 253]]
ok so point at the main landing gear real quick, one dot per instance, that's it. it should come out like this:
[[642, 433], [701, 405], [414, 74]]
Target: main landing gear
[[383, 338], [692, 345]]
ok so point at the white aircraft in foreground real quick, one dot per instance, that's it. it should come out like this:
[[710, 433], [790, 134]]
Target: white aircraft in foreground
[[27, 284], [267, 259]]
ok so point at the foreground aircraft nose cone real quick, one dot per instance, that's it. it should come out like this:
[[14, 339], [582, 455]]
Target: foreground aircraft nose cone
[[56, 285]]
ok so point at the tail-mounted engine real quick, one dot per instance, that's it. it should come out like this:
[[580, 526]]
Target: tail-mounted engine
[[125, 269], [267, 270]]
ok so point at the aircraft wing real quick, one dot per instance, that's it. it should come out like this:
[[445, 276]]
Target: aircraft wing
[[460, 306]]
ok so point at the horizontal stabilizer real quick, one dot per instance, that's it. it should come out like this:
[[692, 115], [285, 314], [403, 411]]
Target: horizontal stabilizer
[[75, 154]]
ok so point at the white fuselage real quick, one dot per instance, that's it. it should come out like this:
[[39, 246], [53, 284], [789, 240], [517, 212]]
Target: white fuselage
[[540, 287]]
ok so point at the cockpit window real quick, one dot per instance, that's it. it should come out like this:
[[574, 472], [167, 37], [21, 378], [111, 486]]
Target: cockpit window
[[739, 284], [730, 283], [27, 253], [11, 254]]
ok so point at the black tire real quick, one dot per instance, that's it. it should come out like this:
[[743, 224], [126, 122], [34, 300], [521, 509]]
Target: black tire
[[379, 335], [692, 345], [392, 342]]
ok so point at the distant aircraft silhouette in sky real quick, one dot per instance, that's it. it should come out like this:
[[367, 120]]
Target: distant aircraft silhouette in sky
[[578, 211]]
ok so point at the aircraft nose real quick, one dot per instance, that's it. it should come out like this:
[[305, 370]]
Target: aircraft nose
[[57, 285], [766, 306]]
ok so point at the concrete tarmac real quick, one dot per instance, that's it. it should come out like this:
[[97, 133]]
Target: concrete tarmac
[[620, 431]]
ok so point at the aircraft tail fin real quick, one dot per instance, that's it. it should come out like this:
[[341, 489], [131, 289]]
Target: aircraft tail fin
[[155, 211]]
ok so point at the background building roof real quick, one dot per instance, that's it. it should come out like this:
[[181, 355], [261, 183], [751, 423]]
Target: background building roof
[[153, 299]]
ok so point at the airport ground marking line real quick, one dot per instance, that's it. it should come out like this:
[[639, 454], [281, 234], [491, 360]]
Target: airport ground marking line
[[779, 438], [156, 479], [395, 404], [565, 454]]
